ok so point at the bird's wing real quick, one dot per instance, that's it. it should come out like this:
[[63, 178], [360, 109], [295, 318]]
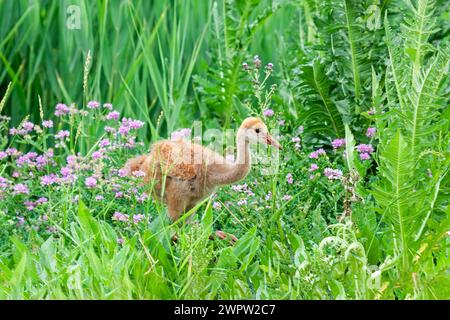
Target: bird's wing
[[175, 159]]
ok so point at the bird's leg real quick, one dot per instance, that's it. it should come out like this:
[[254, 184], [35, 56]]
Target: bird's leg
[[223, 236], [175, 208]]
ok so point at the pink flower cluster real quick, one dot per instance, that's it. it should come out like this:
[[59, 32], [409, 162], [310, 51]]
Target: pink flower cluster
[[62, 135], [90, 182], [268, 113], [317, 153], [244, 188], [296, 140], [332, 174], [129, 124], [93, 104], [180, 134], [121, 217], [20, 188], [113, 115], [33, 160], [61, 109], [138, 174], [371, 132], [47, 124], [337, 143], [25, 128], [48, 180], [289, 178], [31, 205], [364, 151]]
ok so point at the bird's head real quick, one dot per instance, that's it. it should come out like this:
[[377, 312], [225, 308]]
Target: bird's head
[[256, 132]]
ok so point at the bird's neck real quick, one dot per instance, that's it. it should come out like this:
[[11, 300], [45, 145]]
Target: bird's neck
[[226, 173], [241, 167]]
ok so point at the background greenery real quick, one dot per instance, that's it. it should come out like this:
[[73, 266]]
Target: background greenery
[[340, 67]]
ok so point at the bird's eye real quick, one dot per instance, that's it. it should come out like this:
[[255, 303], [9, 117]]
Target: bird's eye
[[257, 130]]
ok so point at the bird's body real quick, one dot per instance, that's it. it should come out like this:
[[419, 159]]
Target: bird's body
[[182, 173]]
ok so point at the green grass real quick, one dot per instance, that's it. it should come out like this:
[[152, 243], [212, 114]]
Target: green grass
[[379, 232]]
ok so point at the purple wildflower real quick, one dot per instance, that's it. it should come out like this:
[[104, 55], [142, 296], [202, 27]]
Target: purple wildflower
[[63, 134], [71, 160], [240, 187], [20, 220], [48, 180], [61, 109], [42, 200], [133, 124], [180, 134], [317, 153], [110, 129], [313, 167], [113, 115], [364, 156], [97, 155], [3, 183], [47, 124], [257, 61], [124, 130], [90, 182], [364, 148], [30, 205], [93, 104], [268, 113], [371, 132], [138, 173], [242, 202], [122, 173], [104, 142], [49, 153], [20, 188], [65, 171], [289, 178], [28, 126], [12, 152], [332, 174], [138, 218], [337, 143], [119, 216]]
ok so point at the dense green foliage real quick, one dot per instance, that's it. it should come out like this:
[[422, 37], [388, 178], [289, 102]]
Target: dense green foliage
[[372, 74]]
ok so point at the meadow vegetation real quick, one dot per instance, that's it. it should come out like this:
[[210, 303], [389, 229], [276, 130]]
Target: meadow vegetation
[[357, 207]]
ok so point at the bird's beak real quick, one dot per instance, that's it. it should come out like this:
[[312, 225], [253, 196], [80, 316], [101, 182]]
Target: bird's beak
[[271, 141]]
